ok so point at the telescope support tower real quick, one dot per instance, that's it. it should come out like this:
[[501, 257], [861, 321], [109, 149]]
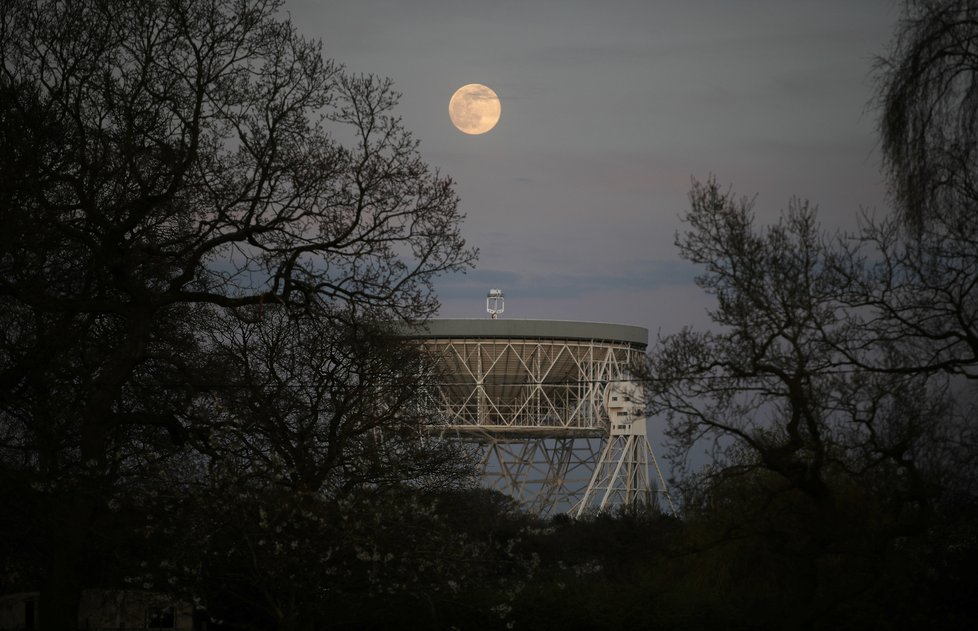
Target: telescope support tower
[[552, 405]]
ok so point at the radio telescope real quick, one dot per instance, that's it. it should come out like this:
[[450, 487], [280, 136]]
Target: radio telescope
[[552, 406]]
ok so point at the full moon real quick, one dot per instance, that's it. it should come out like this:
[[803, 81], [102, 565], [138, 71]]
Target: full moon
[[474, 109]]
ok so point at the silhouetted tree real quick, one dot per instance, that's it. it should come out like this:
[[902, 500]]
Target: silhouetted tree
[[837, 458], [835, 392], [915, 275], [929, 111], [161, 160], [318, 428], [324, 403], [912, 279]]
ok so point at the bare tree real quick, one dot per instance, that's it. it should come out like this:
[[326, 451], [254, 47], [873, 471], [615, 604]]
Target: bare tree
[[315, 423], [918, 292], [914, 277], [160, 158], [842, 453], [769, 380], [326, 405], [836, 389], [929, 111]]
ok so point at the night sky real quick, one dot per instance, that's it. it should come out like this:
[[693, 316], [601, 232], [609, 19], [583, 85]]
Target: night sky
[[608, 110]]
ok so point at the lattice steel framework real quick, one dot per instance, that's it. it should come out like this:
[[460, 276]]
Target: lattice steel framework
[[536, 397]]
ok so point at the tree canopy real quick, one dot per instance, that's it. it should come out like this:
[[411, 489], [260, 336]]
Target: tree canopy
[[835, 391], [928, 97], [171, 167]]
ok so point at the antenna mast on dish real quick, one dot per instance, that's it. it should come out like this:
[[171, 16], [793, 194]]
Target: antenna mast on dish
[[494, 302]]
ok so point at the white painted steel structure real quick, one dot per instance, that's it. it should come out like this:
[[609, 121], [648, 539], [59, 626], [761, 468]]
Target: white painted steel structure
[[552, 405]]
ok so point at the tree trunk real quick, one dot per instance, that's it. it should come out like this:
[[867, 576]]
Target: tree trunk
[[61, 590], [73, 516]]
